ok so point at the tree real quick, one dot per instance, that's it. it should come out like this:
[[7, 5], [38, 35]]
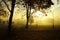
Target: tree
[[37, 5], [28, 4], [11, 13]]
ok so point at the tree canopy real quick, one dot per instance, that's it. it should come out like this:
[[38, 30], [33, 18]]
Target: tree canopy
[[43, 4]]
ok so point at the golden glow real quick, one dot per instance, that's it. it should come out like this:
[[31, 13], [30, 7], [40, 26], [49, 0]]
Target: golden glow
[[39, 17], [38, 14]]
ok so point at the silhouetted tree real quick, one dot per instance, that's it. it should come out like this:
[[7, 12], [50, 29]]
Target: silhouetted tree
[[11, 14], [41, 4]]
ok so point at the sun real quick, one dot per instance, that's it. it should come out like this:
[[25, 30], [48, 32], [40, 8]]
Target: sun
[[38, 14]]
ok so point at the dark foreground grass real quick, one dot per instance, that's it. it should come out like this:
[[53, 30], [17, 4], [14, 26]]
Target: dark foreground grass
[[27, 34], [31, 33]]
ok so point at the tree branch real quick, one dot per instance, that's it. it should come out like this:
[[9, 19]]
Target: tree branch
[[6, 5]]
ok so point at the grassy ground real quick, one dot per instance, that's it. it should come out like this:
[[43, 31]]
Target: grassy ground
[[31, 33], [26, 34]]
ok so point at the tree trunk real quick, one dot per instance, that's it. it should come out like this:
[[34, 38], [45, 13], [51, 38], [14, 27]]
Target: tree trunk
[[11, 16], [27, 19], [28, 15]]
